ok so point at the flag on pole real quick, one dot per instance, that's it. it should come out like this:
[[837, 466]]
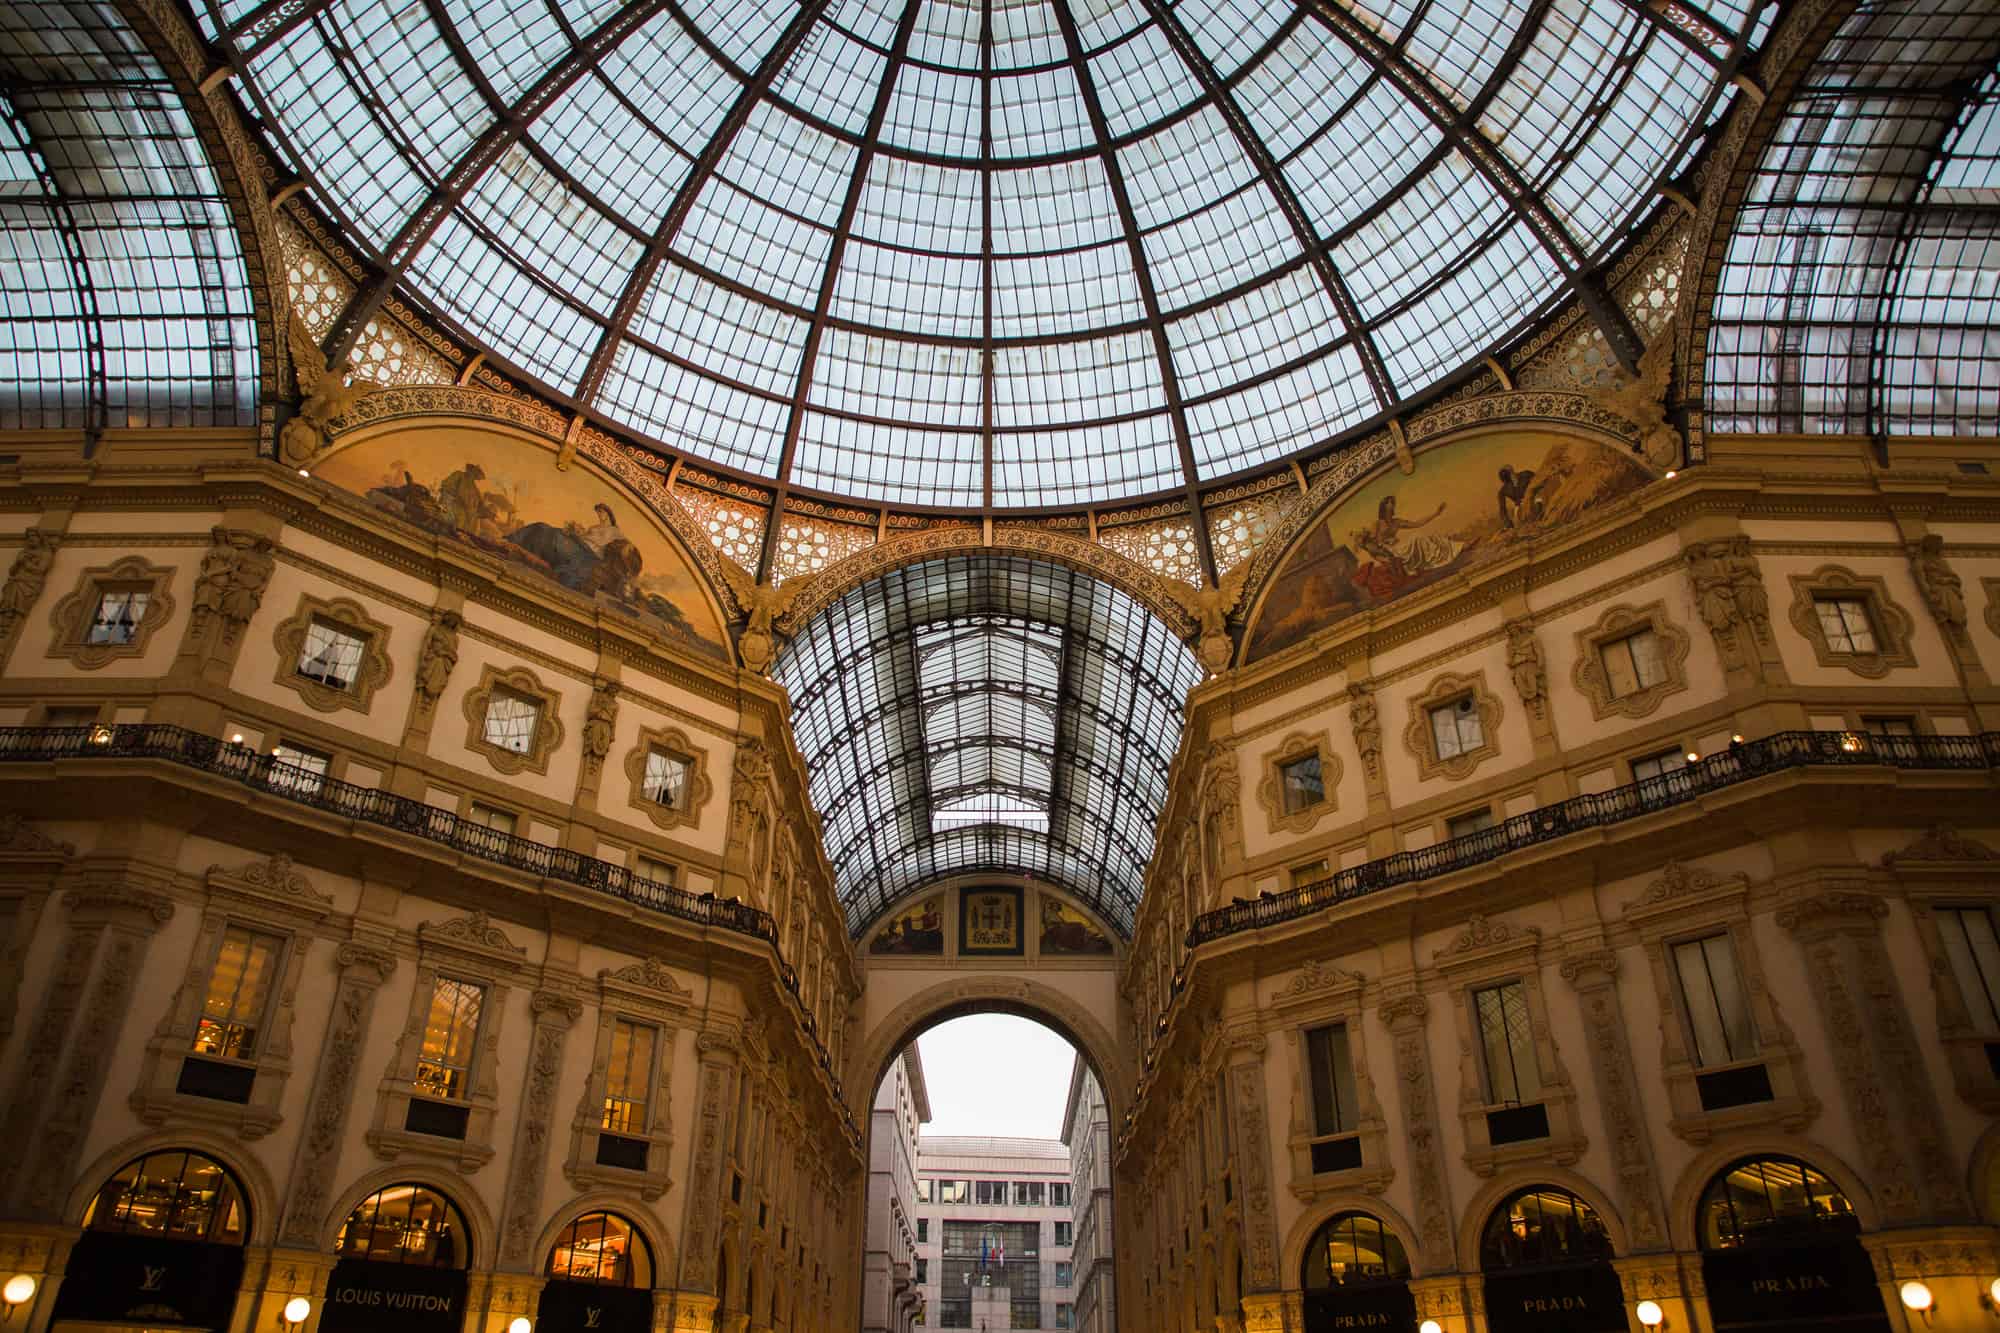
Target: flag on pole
[[999, 1252], [982, 1251]]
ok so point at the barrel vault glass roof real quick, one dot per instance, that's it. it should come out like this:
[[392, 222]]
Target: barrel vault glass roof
[[965, 253], [985, 713]]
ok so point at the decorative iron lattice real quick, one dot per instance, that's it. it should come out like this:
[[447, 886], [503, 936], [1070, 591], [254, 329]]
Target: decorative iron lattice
[[1235, 533], [319, 291], [734, 527], [808, 545], [1166, 546]]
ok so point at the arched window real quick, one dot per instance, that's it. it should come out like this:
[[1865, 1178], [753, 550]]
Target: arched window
[[1541, 1226], [180, 1195], [1351, 1249], [405, 1224], [602, 1247], [1771, 1200]]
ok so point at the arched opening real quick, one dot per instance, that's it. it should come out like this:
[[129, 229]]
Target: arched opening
[[162, 1242], [400, 1264], [1781, 1252], [989, 1177], [1547, 1259], [1356, 1274], [600, 1273]]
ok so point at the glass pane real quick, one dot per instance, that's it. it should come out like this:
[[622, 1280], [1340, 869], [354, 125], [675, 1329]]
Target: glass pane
[[510, 722], [1444, 731], [117, 617], [629, 1078], [1303, 784], [449, 1034], [238, 991], [1511, 1070], [1619, 673], [666, 778], [329, 655], [1970, 944]]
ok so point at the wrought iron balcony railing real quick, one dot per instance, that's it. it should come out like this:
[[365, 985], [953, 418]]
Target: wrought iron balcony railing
[[1741, 762]]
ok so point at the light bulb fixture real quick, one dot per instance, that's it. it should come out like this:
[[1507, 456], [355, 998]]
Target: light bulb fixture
[[297, 1309], [521, 1324], [1992, 1294], [20, 1289], [1916, 1296], [236, 738], [304, 473], [1736, 739], [1650, 1315], [1850, 742], [1671, 474], [1693, 758], [1430, 1326]]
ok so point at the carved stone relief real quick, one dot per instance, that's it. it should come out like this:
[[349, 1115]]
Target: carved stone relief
[[1404, 1016], [1593, 975], [363, 969], [554, 1012]]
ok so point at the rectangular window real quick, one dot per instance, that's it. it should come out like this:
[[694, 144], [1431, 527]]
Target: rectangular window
[[666, 780], [1889, 726], [1062, 1233], [1028, 1193], [1659, 765], [330, 655], [1303, 784], [444, 1068], [628, 1080], [923, 1191], [116, 619], [1472, 821], [1845, 624], [990, 1193], [954, 1191], [1717, 1007], [239, 992], [1974, 951], [1063, 1271], [1507, 1038], [70, 717], [1455, 728], [923, 1230], [299, 770], [1065, 1317], [1632, 663], [1334, 1101], [1309, 872], [510, 722], [491, 817], [923, 1268], [660, 872], [1059, 1196]]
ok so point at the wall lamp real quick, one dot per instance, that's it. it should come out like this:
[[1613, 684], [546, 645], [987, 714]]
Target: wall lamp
[[1916, 1296], [1649, 1314], [1990, 1298], [20, 1289], [1430, 1326], [521, 1324], [297, 1310]]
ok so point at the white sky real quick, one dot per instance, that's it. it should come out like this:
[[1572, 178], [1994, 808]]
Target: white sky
[[995, 1074]]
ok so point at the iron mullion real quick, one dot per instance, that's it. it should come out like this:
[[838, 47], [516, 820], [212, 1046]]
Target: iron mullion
[[97, 389]]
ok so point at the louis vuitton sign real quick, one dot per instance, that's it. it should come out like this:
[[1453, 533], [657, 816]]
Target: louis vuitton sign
[[365, 1297], [145, 1279], [592, 1307]]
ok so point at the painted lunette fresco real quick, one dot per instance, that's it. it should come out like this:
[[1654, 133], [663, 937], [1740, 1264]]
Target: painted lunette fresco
[[916, 931], [506, 497], [1068, 931], [1469, 503]]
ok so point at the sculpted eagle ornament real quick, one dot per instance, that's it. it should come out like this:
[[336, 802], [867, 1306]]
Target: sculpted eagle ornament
[[762, 603], [326, 397], [1642, 400]]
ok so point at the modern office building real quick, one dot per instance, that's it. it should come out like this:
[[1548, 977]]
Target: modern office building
[[891, 1296], [1087, 1135], [1421, 580]]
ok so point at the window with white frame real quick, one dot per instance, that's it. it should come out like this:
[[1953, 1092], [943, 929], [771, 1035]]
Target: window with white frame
[[1335, 1106], [1456, 729], [510, 722], [667, 778], [1632, 662], [297, 769], [628, 1077], [1972, 947], [991, 1193], [239, 994], [330, 654], [1027, 1194], [1059, 1196], [1302, 782], [116, 618], [1507, 1041], [660, 872], [1659, 765], [451, 1033], [1063, 1235], [1845, 624], [1713, 997]]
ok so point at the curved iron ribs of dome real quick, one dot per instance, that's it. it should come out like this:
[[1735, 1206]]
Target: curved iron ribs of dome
[[1149, 295], [1462, 130], [63, 215], [511, 123], [1221, 95]]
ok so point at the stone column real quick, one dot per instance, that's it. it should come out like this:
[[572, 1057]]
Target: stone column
[[1594, 974], [554, 1011], [683, 1312], [273, 1277], [68, 1053], [508, 1296], [364, 966], [1274, 1312], [1243, 1073], [1449, 1298], [1956, 1263], [1404, 1013], [1673, 1281], [708, 1185], [42, 1252]]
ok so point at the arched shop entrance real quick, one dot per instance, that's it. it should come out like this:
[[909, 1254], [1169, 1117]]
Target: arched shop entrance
[[401, 1266], [1782, 1253], [1547, 1260], [1356, 1275], [600, 1277], [162, 1247]]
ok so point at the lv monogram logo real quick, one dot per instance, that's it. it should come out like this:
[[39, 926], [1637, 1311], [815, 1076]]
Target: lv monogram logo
[[592, 1314], [152, 1277]]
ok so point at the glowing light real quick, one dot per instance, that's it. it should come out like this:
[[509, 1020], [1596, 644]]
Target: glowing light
[[521, 1324], [1693, 758], [1671, 474], [20, 1289], [296, 1310], [1430, 1326], [1650, 1314], [304, 473], [1916, 1296]]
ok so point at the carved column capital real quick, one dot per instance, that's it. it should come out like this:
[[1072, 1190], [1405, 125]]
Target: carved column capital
[[1837, 911], [1590, 970], [360, 962], [1404, 1010]]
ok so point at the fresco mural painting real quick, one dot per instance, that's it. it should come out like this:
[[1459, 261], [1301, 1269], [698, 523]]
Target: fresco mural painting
[[1068, 931], [916, 931]]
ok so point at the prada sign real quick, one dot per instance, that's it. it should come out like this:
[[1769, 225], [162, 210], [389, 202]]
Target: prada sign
[[1363, 1308], [591, 1307], [1800, 1285], [1582, 1298], [145, 1279], [365, 1297]]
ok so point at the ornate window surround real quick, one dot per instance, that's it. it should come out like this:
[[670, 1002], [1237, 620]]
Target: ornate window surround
[[469, 948], [1614, 624], [645, 992], [342, 613], [71, 618], [1445, 689], [1271, 791], [1686, 903], [1891, 623], [1488, 953], [1321, 996], [1942, 870], [674, 741], [273, 898], [548, 727]]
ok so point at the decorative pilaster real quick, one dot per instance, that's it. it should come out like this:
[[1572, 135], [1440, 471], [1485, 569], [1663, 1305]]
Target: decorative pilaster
[[1874, 1050], [1446, 1299], [1253, 1155], [748, 856], [26, 577], [110, 926], [718, 1053], [363, 968], [554, 1011], [1222, 823], [1593, 975], [1404, 1014]]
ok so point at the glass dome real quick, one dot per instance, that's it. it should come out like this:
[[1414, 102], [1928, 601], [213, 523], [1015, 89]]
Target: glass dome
[[1005, 253]]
